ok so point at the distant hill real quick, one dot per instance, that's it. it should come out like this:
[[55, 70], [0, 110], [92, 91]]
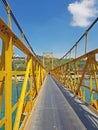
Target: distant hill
[[20, 63], [56, 62]]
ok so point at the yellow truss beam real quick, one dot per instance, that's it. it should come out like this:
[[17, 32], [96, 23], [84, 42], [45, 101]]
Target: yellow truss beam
[[35, 73], [74, 81]]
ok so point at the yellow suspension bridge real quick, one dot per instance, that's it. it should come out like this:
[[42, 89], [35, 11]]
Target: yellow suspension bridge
[[54, 100]]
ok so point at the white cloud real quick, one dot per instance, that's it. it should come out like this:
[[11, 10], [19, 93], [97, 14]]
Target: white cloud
[[82, 11]]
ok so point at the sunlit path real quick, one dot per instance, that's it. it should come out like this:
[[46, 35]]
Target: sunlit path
[[58, 109], [45, 92]]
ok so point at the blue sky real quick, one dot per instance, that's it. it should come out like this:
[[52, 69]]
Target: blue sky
[[53, 25]]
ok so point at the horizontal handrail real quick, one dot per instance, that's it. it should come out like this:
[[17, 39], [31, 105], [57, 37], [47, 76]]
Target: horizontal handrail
[[72, 74], [33, 74]]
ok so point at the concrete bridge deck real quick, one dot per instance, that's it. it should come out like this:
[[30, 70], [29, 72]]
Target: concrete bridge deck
[[58, 109]]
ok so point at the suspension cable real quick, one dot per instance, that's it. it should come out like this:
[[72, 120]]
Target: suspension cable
[[80, 38], [17, 24]]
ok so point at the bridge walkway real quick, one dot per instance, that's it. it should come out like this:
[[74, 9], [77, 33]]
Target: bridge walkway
[[58, 109]]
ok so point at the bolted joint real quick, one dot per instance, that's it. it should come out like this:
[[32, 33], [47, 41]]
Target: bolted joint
[[86, 32], [22, 33]]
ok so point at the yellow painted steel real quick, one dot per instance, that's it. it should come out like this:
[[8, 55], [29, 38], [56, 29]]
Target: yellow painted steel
[[8, 82], [73, 77], [34, 74], [70, 74], [2, 122], [9, 17], [22, 96]]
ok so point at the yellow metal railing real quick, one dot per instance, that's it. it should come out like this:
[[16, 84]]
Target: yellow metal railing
[[17, 98], [79, 78], [34, 75], [75, 77], [80, 73]]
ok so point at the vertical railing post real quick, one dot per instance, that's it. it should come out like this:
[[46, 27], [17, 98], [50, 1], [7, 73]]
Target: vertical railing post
[[75, 75], [23, 40], [37, 77], [22, 97], [2, 68], [41, 75], [9, 16], [86, 41], [91, 82], [8, 83], [43, 60], [76, 51], [31, 85], [52, 63], [70, 55]]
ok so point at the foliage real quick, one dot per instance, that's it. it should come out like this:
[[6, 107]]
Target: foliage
[[20, 64]]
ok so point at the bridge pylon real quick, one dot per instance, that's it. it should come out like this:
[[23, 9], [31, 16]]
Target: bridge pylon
[[48, 60]]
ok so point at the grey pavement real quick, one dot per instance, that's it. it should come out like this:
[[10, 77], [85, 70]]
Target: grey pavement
[[58, 109]]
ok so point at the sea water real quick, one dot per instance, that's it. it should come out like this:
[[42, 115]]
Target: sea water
[[16, 91], [87, 91]]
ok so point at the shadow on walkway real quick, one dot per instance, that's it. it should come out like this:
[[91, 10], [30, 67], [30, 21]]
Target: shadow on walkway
[[88, 118]]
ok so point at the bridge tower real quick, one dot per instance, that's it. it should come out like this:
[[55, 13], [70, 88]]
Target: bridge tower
[[48, 60]]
